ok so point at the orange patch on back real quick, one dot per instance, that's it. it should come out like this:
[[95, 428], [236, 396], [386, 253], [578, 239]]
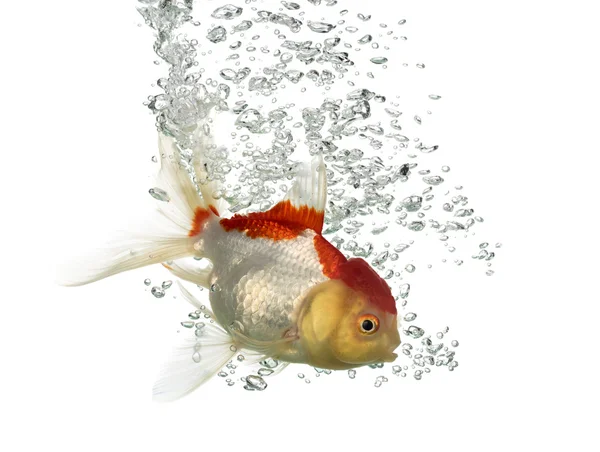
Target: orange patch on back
[[286, 212], [266, 229], [214, 210], [200, 217], [283, 221]]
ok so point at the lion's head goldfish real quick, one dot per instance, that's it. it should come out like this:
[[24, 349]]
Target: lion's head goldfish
[[277, 286]]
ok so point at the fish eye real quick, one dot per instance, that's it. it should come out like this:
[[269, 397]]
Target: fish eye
[[368, 324]]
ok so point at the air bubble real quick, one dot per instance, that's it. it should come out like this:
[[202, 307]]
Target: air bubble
[[157, 292], [255, 383], [159, 194]]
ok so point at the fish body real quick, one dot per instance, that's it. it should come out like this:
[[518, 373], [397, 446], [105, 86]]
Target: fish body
[[259, 284], [277, 286]]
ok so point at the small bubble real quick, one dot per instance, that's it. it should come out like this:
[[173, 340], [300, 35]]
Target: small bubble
[[255, 382], [227, 12], [159, 194], [263, 372], [157, 292], [454, 343], [404, 290], [270, 363], [320, 27], [166, 284], [379, 60], [414, 331], [433, 180], [217, 34], [365, 39], [352, 373], [410, 316], [147, 282]]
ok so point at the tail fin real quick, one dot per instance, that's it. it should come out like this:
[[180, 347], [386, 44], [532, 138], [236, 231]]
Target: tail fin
[[175, 228]]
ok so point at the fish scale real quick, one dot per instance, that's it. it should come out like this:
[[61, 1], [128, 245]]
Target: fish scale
[[261, 281]]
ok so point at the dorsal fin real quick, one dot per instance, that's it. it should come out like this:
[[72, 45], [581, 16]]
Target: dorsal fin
[[310, 186], [302, 208], [304, 203]]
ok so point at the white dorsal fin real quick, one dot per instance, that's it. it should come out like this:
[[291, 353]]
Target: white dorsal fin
[[310, 187]]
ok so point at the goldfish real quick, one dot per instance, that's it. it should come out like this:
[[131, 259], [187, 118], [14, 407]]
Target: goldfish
[[277, 287]]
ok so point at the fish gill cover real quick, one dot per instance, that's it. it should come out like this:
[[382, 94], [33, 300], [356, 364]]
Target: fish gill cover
[[285, 78]]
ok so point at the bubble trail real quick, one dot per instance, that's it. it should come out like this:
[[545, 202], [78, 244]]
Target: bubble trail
[[292, 80]]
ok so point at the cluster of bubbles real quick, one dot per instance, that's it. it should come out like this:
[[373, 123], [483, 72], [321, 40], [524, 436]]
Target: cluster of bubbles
[[371, 147], [159, 291]]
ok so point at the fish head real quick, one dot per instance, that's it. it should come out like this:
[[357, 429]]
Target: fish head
[[351, 321]]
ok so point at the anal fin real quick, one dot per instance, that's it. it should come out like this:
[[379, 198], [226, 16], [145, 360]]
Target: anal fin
[[198, 359], [194, 363]]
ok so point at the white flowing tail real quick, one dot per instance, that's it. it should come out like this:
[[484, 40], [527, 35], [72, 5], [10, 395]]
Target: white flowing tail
[[178, 222]]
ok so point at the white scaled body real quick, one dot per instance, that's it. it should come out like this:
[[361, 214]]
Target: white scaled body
[[257, 284]]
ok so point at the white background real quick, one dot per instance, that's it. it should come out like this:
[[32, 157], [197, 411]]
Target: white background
[[520, 121]]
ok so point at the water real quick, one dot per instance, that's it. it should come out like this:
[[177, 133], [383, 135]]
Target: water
[[278, 82]]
